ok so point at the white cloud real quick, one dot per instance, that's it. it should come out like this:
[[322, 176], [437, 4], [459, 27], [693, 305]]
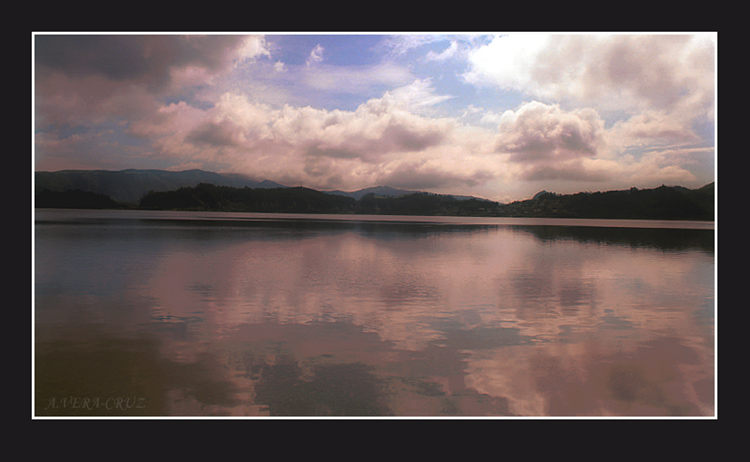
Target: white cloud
[[398, 45], [316, 55], [355, 79], [651, 128], [445, 54], [252, 47], [612, 71], [491, 118], [416, 95], [401, 44], [506, 62]]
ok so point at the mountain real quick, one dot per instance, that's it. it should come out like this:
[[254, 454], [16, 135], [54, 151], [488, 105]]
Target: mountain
[[662, 203], [228, 199], [129, 186], [423, 203], [388, 191], [74, 199], [468, 198], [201, 190], [384, 191], [305, 200]]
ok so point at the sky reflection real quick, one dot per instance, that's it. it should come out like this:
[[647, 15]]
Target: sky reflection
[[304, 321]]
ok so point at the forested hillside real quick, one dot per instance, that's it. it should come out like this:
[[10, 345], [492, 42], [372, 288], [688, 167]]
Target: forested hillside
[[663, 203]]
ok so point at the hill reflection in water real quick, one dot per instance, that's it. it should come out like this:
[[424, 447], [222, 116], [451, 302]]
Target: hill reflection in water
[[261, 316]]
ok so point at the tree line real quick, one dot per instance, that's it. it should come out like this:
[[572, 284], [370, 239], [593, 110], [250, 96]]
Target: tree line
[[664, 202]]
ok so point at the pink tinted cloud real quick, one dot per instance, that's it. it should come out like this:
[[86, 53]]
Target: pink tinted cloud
[[380, 141], [548, 143], [652, 128], [434, 175], [538, 132], [367, 134], [87, 79], [64, 100]]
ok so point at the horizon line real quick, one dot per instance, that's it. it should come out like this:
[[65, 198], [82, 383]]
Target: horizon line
[[366, 187]]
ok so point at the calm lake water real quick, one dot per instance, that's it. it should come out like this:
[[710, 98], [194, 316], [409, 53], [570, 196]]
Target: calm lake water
[[230, 314]]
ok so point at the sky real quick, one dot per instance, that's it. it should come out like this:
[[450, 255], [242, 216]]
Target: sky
[[495, 115]]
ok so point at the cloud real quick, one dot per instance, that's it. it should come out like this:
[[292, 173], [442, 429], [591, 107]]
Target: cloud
[[399, 45], [654, 88], [417, 95], [380, 141], [547, 143], [544, 143], [88, 100], [89, 79], [569, 171], [316, 55], [220, 101], [216, 134], [652, 128], [376, 128], [354, 79], [433, 175], [445, 54], [613, 71], [537, 132], [142, 58], [251, 47]]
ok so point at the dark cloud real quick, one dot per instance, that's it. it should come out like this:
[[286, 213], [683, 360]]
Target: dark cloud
[[571, 171], [143, 58], [214, 134], [405, 138], [417, 176], [83, 80]]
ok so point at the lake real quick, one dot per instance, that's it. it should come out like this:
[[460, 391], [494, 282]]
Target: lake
[[197, 314]]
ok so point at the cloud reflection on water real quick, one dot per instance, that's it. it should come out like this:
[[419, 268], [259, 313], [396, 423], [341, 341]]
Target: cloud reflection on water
[[402, 320]]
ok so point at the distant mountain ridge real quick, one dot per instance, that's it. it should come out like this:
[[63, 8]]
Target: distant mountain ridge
[[385, 191], [201, 190], [389, 191], [662, 203], [130, 185]]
